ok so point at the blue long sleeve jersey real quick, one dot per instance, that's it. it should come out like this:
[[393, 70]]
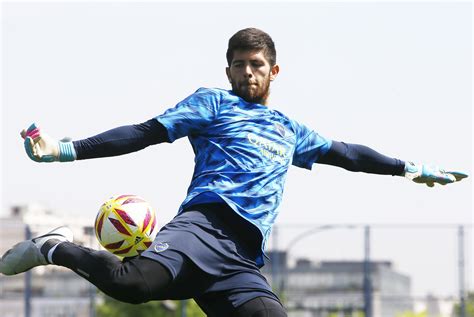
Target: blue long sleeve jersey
[[242, 152]]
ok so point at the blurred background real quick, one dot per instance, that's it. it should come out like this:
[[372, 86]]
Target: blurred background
[[393, 76]]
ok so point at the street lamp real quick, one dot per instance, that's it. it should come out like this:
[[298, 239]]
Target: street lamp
[[298, 238], [305, 234], [367, 282]]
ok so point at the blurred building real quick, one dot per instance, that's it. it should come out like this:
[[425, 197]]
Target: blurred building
[[336, 287], [434, 306], [309, 289], [55, 291]]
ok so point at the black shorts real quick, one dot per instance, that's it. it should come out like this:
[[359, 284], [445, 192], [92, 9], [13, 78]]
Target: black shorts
[[210, 253]]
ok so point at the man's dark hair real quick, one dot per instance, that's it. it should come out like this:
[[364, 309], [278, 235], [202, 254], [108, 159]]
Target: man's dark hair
[[251, 39]]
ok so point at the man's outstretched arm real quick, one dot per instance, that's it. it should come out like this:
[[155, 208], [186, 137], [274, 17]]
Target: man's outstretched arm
[[360, 158], [122, 140]]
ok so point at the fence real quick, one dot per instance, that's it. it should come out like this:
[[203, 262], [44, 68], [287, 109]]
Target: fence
[[381, 270], [378, 270]]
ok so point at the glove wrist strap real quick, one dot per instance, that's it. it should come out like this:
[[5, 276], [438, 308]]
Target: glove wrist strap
[[67, 153], [412, 170]]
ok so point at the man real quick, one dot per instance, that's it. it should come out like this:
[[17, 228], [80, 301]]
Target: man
[[212, 250]]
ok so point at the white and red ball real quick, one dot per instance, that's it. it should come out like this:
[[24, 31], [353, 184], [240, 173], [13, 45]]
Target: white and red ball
[[125, 225]]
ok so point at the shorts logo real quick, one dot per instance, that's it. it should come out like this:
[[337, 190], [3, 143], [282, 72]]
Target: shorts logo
[[161, 246]]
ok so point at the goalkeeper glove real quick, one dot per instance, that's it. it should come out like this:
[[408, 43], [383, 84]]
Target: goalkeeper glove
[[430, 175], [40, 147]]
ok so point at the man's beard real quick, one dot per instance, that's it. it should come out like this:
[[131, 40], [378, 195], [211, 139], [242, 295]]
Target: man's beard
[[252, 93]]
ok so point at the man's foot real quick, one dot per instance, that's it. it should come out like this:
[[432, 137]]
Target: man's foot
[[30, 253]]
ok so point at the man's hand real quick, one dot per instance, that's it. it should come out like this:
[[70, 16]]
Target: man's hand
[[430, 175], [40, 147]]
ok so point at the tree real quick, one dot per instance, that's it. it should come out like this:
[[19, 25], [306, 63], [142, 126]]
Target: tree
[[193, 310], [469, 306], [412, 314], [113, 308]]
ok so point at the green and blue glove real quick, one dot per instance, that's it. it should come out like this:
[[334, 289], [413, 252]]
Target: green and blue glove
[[429, 175], [40, 147]]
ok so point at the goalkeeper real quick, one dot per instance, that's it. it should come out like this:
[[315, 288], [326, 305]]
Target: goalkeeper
[[212, 250]]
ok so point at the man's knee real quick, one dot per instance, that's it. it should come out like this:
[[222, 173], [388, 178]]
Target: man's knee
[[126, 291], [261, 307], [136, 281]]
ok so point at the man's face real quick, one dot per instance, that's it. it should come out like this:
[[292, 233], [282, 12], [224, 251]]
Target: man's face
[[250, 75]]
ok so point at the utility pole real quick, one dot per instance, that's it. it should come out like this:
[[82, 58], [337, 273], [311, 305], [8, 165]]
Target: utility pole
[[461, 265], [367, 274], [183, 308], [275, 264], [27, 279], [89, 231]]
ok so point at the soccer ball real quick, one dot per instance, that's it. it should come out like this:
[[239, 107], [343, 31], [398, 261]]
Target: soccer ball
[[125, 225]]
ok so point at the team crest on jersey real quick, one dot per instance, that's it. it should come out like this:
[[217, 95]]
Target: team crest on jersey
[[280, 129], [161, 246]]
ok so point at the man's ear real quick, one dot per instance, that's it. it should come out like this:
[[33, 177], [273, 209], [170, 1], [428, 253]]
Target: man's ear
[[274, 72], [227, 72]]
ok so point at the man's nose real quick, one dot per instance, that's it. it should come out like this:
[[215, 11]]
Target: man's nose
[[248, 71]]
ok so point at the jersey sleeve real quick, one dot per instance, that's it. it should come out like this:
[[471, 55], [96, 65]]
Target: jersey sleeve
[[309, 146], [121, 140], [191, 115]]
